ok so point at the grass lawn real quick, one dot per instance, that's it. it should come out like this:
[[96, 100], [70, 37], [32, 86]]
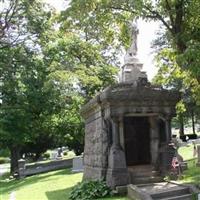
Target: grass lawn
[[186, 152], [57, 185], [48, 186], [192, 175]]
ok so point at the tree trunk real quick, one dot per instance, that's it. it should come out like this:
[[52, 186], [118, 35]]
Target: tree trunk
[[15, 156], [181, 125], [193, 122], [37, 156]]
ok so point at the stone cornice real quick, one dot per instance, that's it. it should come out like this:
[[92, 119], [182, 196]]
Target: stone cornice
[[139, 97]]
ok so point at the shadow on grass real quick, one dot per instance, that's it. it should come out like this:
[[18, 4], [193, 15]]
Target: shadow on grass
[[64, 194], [192, 175], [8, 186], [59, 194], [4, 176]]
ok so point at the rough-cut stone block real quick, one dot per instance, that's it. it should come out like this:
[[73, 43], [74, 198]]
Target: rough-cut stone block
[[117, 177], [94, 173]]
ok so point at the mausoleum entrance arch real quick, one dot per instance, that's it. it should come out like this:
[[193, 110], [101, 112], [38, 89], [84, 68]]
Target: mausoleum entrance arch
[[137, 140]]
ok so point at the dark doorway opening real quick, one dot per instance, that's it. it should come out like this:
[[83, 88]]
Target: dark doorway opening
[[137, 140]]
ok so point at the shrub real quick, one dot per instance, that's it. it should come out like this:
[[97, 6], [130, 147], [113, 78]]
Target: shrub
[[88, 190], [4, 160], [46, 155], [4, 153]]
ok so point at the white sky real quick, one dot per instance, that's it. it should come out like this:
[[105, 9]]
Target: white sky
[[146, 35], [58, 4]]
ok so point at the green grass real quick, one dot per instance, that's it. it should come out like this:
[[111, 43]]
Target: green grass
[[48, 186], [58, 184], [186, 152], [192, 175]]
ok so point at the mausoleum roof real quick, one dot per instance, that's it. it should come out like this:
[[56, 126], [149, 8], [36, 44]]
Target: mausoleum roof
[[136, 97]]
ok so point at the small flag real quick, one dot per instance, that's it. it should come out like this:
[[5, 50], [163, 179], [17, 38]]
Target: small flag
[[175, 162]]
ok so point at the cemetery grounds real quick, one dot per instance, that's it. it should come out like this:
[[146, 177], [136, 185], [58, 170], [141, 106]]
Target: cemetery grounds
[[58, 184]]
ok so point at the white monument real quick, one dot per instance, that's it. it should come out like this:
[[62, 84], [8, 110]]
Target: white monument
[[77, 164], [131, 70]]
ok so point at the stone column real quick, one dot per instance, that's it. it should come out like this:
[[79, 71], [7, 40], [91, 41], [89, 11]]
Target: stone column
[[115, 132], [117, 173], [167, 150], [154, 143], [168, 129], [121, 133]]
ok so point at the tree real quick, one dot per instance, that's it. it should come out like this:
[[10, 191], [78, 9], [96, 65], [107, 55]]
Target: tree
[[177, 44], [46, 76], [178, 17], [23, 111], [22, 24], [79, 69], [98, 25]]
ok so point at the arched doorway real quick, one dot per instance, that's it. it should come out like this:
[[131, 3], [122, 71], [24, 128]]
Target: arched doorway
[[137, 140]]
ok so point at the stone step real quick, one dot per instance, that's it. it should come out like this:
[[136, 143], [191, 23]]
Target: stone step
[[146, 179], [170, 193], [180, 197], [144, 173], [160, 191], [140, 168]]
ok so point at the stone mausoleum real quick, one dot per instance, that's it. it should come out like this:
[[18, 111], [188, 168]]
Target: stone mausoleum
[[128, 128]]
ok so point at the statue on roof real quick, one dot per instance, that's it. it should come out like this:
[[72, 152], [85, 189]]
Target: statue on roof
[[134, 34], [132, 51], [131, 70]]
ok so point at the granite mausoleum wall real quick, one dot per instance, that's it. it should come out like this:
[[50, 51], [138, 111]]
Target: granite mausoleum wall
[[96, 147]]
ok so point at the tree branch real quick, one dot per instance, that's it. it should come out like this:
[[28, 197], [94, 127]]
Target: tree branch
[[156, 15], [121, 8], [168, 7]]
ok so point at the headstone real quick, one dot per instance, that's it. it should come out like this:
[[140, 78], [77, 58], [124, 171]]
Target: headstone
[[22, 168], [53, 155], [59, 152], [77, 164]]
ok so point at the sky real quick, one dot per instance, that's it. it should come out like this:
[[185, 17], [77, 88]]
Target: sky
[[146, 35]]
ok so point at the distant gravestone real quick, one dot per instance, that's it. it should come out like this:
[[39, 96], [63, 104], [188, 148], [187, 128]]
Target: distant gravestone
[[77, 164], [59, 152], [53, 155], [22, 168]]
